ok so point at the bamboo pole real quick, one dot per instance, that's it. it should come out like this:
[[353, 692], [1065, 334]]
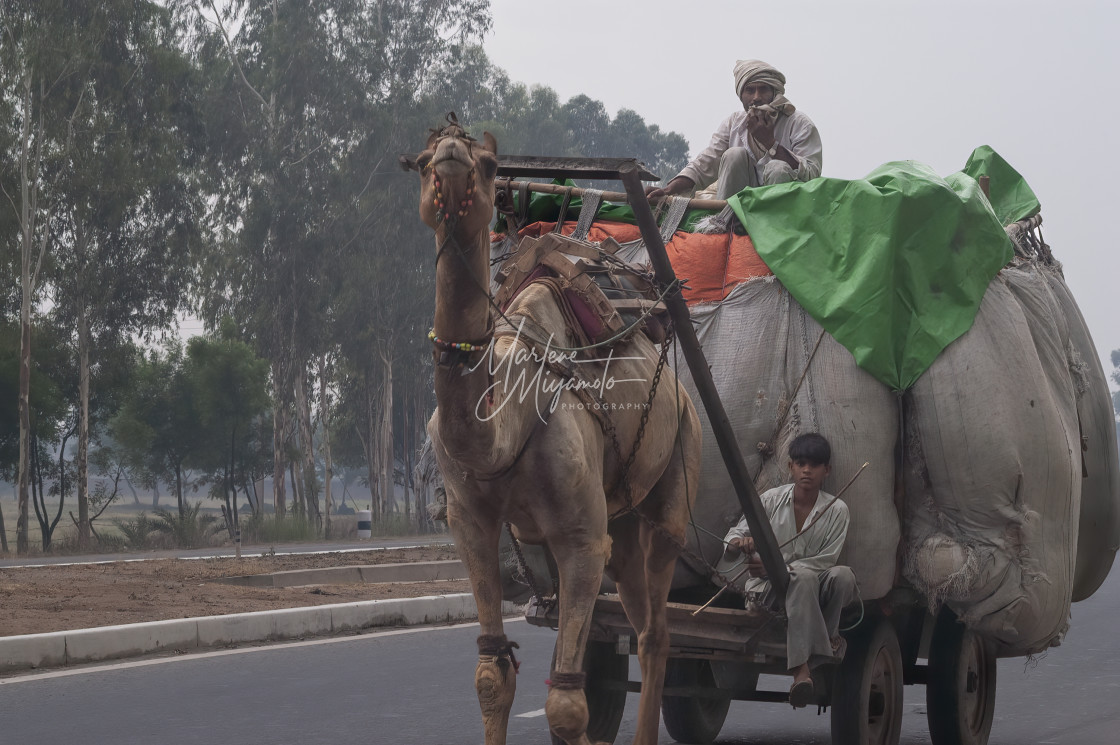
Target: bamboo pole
[[609, 196]]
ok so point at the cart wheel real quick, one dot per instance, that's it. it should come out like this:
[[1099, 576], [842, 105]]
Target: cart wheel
[[607, 675], [688, 719], [867, 691], [961, 686]]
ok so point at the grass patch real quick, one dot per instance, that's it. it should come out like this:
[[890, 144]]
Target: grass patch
[[270, 529]]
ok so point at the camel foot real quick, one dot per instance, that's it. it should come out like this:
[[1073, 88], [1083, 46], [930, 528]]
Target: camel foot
[[496, 682], [566, 711]]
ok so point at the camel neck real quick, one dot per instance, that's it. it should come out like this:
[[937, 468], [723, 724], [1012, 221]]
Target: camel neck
[[462, 313]]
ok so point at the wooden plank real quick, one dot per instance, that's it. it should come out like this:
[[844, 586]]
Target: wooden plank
[[542, 166]]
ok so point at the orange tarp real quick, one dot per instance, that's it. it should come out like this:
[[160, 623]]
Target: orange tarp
[[710, 264]]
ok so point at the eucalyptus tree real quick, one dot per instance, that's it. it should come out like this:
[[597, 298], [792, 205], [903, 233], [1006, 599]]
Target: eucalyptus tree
[[127, 226], [95, 95], [43, 53], [309, 97]]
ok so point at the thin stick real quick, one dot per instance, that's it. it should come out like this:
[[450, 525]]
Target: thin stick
[[791, 540]]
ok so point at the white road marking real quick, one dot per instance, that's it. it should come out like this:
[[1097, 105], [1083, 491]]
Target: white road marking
[[189, 657], [528, 714]]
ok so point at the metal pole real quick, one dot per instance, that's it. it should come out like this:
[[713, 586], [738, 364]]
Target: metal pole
[[759, 523]]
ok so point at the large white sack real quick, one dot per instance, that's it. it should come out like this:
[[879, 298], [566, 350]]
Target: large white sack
[[759, 343], [993, 481], [1098, 534]]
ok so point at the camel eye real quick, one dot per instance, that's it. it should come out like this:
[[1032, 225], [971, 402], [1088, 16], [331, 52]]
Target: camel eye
[[488, 164], [423, 161]]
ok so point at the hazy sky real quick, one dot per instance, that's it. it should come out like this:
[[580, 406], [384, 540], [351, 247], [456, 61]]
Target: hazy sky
[[887, 80]]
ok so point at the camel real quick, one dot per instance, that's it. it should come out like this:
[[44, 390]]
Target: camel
[[550, 471]]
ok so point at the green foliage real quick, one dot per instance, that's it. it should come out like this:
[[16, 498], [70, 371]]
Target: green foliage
[[248, 160], [137, 532], [190, 529], [262, 528], [156, 425], [392, 524], [531, 120]]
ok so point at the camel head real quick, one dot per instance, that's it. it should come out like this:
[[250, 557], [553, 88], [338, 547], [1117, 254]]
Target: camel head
[[457, 179]]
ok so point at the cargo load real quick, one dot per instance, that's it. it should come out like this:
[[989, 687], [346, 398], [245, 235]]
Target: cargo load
[[897, 316]]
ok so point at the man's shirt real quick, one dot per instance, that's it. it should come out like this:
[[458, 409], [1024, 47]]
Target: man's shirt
[[795, 133], [815, 550]]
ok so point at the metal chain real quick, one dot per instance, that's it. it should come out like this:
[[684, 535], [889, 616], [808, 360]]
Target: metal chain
[[623, 481], [526, 572]]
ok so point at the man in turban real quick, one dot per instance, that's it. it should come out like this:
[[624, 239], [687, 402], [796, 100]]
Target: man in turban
[[768, 142]]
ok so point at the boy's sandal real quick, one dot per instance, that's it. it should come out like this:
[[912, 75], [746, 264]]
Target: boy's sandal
[[801, 694]]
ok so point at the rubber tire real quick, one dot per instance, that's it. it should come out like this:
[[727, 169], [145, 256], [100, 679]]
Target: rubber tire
[[692, 720], [959, 660], [605, 706], [867, 689]]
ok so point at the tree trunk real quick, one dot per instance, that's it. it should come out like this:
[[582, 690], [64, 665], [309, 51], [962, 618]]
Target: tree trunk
[[22, 545], [178, 489], [369, 446], [385, 435], [406, 458], [279, 497], [83, 431], [3, 531], [306, 447], [423, 492], [29, 193], [297, 488], [325, 423], [231, 488]]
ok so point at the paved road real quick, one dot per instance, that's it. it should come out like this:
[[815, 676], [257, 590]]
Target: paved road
[[415, 688], [246, 550]]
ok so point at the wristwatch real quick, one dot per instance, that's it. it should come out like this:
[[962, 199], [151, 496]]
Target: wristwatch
[[773, 152]]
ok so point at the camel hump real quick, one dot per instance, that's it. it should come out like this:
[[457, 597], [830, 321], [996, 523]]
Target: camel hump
[[602, 298]]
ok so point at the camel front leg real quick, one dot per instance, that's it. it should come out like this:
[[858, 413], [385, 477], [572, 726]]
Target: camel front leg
[[581, 572], [495, 678]]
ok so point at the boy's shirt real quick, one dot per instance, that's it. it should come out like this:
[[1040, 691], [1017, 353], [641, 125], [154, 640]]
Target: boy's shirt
[[815, 550]]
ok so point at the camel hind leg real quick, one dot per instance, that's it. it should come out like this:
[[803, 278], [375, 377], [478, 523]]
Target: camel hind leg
[[495, 677], [645, 556]]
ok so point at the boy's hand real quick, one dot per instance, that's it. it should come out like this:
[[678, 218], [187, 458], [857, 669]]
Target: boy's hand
[[740, 543]]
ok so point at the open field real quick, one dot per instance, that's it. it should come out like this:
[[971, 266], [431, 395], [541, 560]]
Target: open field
[[57, 598], [343, 527]]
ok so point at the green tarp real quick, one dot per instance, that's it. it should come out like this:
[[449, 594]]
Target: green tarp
[[893, 265]]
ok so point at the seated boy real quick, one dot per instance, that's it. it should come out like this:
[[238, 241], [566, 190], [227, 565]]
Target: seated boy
[[810, 526]]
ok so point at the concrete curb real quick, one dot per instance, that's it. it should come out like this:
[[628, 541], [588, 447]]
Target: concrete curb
[[60, 648], [416, 571]]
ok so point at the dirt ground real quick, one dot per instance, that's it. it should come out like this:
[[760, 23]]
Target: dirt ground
[[58, 598]]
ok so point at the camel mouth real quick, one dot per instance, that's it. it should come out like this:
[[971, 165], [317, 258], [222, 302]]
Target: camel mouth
[[450, 162]]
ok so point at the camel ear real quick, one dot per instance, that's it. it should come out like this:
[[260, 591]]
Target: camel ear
[[489, 142]]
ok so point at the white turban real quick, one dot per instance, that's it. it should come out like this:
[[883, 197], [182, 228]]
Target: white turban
[[757, 71]]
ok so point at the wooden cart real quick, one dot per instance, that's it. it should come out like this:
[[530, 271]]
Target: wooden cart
[[717, 655]]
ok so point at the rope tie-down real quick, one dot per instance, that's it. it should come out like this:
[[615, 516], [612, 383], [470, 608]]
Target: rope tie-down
[[499, 649], [566, 681]]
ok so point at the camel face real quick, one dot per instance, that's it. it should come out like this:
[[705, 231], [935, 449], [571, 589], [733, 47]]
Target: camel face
[[457, 181]]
